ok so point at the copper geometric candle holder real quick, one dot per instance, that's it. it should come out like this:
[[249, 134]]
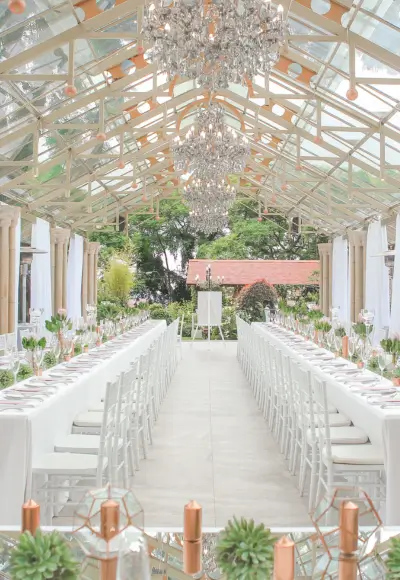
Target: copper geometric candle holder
[[344, 548], [103, 523]]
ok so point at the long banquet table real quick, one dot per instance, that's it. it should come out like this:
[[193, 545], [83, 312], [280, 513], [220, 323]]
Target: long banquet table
[[381, 425], [24, 435]]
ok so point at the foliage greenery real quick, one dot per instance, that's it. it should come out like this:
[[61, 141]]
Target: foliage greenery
[[253, 298], [245, 551], [322, 325], [24, 372], [6, 379], [43, 557], [391, 345], [393, 560], [58, 322], [161, 249], [118, 279], [30, 343], [361, 330], [49, 360]]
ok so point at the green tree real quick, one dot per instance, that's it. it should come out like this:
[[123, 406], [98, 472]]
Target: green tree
[[251, 239], [156, 241], [118, 279]]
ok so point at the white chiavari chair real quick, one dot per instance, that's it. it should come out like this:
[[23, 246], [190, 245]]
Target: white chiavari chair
[[360, 464], [75, 473]]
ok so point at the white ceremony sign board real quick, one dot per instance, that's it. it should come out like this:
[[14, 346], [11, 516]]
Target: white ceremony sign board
[[209, 308]]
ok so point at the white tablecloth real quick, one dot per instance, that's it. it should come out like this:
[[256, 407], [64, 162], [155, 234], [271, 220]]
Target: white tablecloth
[[381, 425], [22, 436]]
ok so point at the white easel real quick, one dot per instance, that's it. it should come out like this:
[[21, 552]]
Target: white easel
[[209, 313]]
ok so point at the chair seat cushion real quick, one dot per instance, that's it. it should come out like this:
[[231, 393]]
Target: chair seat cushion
[[338, 420], [76, 443], [97, 408], [343, 435], [356, 454], [67, 464], [89, 419]]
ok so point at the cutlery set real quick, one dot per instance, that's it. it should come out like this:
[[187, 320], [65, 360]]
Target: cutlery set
[[23, 397], [367, 385]]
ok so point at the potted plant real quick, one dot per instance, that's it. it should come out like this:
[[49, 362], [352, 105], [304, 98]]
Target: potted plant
[[49, 360], [393, 559], [35, 347], [245, 551], [6, 379], [58, 324], [396, 376], [43, 556], [24, 372]]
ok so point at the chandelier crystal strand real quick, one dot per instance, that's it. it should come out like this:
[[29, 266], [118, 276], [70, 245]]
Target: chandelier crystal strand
[[211, 148], [216, 44], [209, 202]]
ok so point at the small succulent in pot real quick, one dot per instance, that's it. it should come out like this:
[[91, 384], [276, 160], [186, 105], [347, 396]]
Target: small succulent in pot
[[43, 557], [245, 551]]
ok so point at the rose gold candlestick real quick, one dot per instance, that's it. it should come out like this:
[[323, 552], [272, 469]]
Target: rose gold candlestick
[[348, 542], [284, 561], [345, 347], [192, 535], [30, 517], [109, 527]]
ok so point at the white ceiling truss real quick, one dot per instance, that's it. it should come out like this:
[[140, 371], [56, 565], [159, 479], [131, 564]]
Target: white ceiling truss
[[314, 153]]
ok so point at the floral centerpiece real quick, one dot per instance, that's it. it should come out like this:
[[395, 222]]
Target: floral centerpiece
[[34, 348], [58, 325]]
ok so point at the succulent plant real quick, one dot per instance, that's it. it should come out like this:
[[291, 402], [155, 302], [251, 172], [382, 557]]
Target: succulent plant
[[24, 372], [49, 360], [393, 560], [6, 379], [245, 551], [43, 557]]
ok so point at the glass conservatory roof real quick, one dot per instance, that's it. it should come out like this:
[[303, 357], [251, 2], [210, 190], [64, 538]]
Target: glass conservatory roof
[[314, 153]]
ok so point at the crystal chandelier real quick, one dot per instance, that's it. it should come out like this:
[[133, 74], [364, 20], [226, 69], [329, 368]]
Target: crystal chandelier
[[208, 203], [215, 43], [212, 148]]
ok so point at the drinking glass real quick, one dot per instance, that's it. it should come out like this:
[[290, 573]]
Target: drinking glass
[[15, 362], [381, 361], [352, 345], [330, 338], [364, 352]]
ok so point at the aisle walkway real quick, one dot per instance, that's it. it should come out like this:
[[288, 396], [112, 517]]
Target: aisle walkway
[[211, 444]]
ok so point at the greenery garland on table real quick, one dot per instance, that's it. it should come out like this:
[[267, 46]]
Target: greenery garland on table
[[43, 557], [245, 551]]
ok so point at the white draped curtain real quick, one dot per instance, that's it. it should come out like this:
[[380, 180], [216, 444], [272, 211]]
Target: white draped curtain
[[340, 279], [74, 277], [395, 312], [41, 269], [377, 279]]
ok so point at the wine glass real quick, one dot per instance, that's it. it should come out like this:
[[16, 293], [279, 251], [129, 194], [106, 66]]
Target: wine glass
[[337, 343], [13, 362], [381, 361], [330, 339], [364, 352], [352, 345], [37, 359]]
